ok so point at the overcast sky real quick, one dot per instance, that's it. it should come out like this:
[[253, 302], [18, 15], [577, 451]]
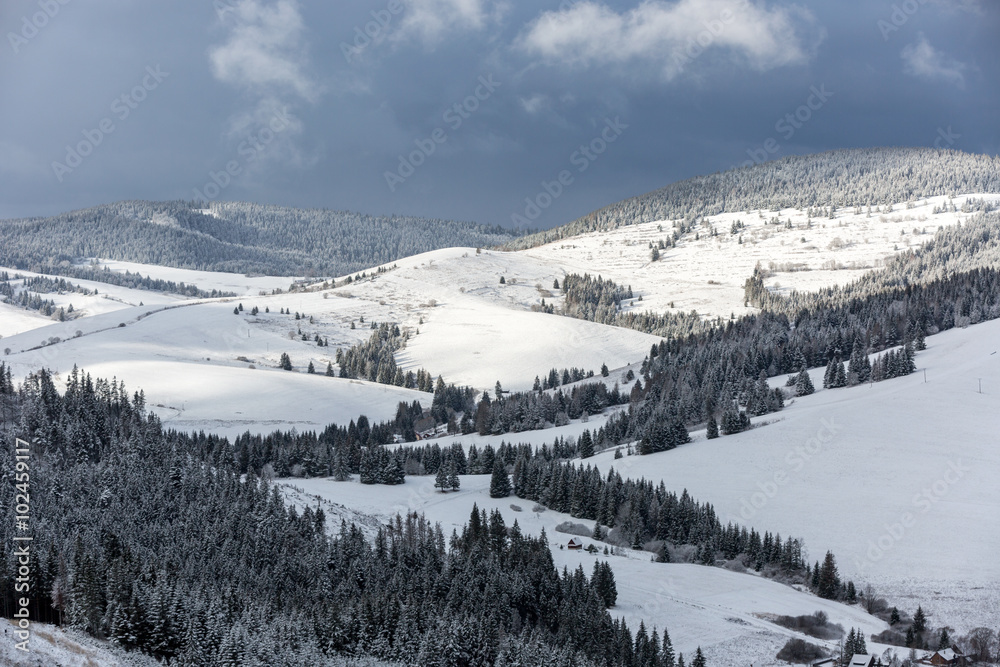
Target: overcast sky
[[463, 109]]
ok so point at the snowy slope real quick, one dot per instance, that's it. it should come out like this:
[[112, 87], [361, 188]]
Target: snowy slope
[[898, 479], [723, 612], [202, 367], [466, 325], [192, 357], [106, 299], [207, 280], [52, 646], [707, 274]]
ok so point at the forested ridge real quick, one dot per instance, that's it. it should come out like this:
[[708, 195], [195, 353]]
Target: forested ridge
[[147, 538], [852, 177], [236, 237]]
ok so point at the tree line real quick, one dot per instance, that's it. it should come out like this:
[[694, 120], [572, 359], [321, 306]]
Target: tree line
[[835, 179], [235, 237]]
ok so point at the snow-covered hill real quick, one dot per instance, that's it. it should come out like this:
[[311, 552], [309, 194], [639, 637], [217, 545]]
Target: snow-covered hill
[[706, 272], [724, 612], [897, 478]]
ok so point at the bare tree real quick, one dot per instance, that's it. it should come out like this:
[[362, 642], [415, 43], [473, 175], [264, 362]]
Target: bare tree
[[873, 603], [981, 642]]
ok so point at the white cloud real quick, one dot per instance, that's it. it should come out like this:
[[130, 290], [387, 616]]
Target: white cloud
[[922, 60], [263, 52], [428, 21], [668, 36]]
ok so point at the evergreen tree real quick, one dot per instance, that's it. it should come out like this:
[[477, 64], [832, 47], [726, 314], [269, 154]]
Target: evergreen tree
[[803, 384], [285, 363], [667, 651], [586, 444], [919, 621], [341, 471], [945, 641], [699, 659], [392, 473], [441, 479], [500, 481], [894, 616], [839, 375], [712, 429], [830, 373], [453, 480], [368, 473], [603, 581], [848, 650], [829, 580], [311, 369]]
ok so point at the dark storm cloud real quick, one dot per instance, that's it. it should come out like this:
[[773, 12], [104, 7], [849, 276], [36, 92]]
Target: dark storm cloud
[[382, 107]]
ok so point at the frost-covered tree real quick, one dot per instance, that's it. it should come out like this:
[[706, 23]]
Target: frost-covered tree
[[500, 481]]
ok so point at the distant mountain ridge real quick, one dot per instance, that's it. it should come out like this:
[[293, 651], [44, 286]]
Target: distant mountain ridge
[[233, 236], [850, 177]]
